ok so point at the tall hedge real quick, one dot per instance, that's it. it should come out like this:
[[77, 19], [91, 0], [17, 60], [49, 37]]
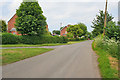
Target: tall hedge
[[8, 38]]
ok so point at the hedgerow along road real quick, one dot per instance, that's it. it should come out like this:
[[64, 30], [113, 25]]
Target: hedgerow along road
[[70, 61]]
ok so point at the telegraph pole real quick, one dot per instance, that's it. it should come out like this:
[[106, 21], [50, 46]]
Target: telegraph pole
[[105, 18]]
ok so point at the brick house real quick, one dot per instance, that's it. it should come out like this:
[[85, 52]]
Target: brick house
[[12, 28], [63, 31]]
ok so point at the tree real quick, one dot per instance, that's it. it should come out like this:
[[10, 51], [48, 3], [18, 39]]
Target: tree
[[98, 23], [77, 30], [30, 19], [56, 32], [88, 35], [61, 28], [3, 26], [112, 30], [83, 27], [119, 23]]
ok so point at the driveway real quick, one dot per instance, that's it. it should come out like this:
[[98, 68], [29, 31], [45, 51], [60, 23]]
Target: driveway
[[71, 61]]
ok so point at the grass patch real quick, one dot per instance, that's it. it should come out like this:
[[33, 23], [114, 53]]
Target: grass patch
[[13, 55], [38, 45], [105, 65]]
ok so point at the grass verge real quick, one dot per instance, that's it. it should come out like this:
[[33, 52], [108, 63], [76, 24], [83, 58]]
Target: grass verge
[[106, 68], [13, 55], [38, 45]]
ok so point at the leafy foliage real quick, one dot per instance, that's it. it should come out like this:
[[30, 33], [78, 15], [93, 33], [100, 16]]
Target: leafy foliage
[[56, 32], [112, 30], [8, 38], [30, 19], [88, 35], [3, 26], [83, 27], [98, 23], [61, 28], [77, 30], [109, 45]]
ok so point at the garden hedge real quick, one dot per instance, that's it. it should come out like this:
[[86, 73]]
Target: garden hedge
[[8, 38]]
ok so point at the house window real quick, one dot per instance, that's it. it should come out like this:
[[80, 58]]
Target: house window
[[65, 32]]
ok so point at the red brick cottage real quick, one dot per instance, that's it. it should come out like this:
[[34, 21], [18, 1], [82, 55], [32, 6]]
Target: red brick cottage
[[63, 31], [12, 28]]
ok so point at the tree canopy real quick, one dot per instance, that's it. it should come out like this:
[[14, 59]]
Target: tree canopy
[[30, 19], [56, 32], [98, 23], [77, 30], [61, 28], [3, 26], [112, 30]]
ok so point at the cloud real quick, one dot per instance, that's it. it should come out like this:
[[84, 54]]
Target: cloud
[[65, 12], [65, 0], [77, 0], [9, 9]]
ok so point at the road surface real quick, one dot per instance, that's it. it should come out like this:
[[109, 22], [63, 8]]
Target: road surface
[[71, 61]]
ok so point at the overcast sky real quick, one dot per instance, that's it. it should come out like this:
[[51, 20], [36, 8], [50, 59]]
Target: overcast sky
[[65, 12]]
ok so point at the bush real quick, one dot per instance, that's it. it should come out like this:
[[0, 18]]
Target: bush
[[75, 39], [109, 45], [8, 38]]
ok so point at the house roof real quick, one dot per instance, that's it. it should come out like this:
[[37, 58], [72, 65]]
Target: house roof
[[12, 17], [64, 27]]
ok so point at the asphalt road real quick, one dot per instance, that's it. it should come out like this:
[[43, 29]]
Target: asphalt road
[[71, 61]]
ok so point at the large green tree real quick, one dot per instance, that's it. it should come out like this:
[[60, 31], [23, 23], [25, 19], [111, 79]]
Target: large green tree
[[83, 27], [30, 19], [77, 30], [3, 26], [98, 23], [112, 30]]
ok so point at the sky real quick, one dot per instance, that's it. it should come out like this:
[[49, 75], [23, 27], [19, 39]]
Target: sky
[[63, 11]]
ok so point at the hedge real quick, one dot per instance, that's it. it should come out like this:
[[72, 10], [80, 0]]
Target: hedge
[[8, 38], [76, 39]]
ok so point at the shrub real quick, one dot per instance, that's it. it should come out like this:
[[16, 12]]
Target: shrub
[[30, 39], [109, 45], [43, 39], [74, 39], [8, 38], [64, 39]]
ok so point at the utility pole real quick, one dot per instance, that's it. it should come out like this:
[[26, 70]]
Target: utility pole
[[105, 18]]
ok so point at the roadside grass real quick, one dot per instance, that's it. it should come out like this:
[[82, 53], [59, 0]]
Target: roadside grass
[[14, 55], [108, 69], [39, 45]]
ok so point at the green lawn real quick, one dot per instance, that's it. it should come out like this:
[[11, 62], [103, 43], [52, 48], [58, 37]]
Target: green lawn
[[38, 45], [106, 69], [13, 55]]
